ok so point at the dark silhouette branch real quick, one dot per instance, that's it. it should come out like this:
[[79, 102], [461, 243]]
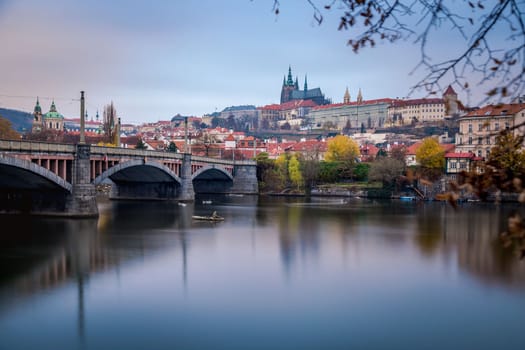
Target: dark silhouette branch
[[371, 21]]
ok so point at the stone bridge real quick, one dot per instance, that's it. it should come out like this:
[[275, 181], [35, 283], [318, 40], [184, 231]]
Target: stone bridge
[[60, 179]]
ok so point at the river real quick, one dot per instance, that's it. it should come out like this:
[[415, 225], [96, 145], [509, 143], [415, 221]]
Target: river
[[277, 273]]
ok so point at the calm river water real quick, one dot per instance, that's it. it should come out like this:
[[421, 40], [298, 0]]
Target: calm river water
[[278, 273]]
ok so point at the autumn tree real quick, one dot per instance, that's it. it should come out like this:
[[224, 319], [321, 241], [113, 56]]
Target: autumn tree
[[496, 63], [294, 171], [281, 164], [6, 131], [267, 173], [508, 155], [430, 154], [341, 148]]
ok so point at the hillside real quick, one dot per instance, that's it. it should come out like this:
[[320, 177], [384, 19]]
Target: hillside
[[20, 121]]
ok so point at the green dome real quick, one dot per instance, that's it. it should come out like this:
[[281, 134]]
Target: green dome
[[53, 112]]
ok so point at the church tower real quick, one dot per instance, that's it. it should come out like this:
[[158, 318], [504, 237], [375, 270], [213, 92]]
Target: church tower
[[450, 97], [288, 86], [359, 96], [37, 118], [346, 98]]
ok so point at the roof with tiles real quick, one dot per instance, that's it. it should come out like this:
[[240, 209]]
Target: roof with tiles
[[309, 146], [363, 103], [497, 110], [415, 102], [447, 147]]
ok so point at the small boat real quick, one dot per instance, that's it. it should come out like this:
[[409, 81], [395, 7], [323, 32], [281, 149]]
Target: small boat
[[212, 217], [407, 198]]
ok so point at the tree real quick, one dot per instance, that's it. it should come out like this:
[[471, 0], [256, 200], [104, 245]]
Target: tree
[[294, 171], [310, 168], [267, 175], [508, 155], [361, 171], [6, 131], [341, 148], [497, 64], [329, 172], [172, 147], [430, 154], [399, 152], [108, 124], [141, 145], [386, 170], [281, 164]]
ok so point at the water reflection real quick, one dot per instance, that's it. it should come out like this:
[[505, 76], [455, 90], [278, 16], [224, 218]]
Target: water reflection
[[346, 256]]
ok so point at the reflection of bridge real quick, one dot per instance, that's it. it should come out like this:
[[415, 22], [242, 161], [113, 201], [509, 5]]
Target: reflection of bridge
[[60, 179]]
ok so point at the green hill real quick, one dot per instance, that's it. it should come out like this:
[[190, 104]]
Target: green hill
[[20, 121]]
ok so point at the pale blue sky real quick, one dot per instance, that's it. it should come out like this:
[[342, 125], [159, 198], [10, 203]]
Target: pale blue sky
[[157, 58]]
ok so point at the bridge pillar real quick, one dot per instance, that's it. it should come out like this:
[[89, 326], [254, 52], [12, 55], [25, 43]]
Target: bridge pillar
[[245, 179], [82, 201], [186, 192]]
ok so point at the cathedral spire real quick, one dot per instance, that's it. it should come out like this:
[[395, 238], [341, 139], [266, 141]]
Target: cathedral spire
[[305, 84], [359, 96], [296, 84], [290, 79], [346, 98]]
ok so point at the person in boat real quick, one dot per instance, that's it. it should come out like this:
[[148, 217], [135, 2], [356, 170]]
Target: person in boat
[[215, 215]]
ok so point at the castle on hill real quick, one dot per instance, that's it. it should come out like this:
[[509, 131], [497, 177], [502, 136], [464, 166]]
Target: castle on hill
[[290, 91]]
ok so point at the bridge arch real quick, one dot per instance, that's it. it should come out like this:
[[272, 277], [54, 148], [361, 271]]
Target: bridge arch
[[28, 175], [212, 179], [141, 179], [128, 165], [212, 172]]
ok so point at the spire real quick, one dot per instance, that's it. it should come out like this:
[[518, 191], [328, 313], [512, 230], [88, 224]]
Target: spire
[[37, 109], [346, 98], [290, 79], [97, 115], [284, 80], [359, 96], [305, 84], [53, 108], [296, 84]]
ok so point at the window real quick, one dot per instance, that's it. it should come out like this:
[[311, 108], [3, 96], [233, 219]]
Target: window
[[488, 140], [470, 128], [480, 127], [463, 165], [488, 153], [480, 140], [479, 153], [496, 126], [507, 126], [470, 140], [453, 165], [488, 126]]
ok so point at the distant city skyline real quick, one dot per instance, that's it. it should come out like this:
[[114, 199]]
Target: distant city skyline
[[158, 59]]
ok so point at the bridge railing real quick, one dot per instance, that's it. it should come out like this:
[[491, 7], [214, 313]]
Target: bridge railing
[[35, 146], [38, 146]]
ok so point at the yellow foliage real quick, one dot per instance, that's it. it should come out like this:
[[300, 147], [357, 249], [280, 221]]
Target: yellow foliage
[[430, 154], [341, 148]]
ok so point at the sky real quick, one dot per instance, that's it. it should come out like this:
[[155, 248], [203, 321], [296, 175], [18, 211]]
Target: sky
[[155, 59]]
